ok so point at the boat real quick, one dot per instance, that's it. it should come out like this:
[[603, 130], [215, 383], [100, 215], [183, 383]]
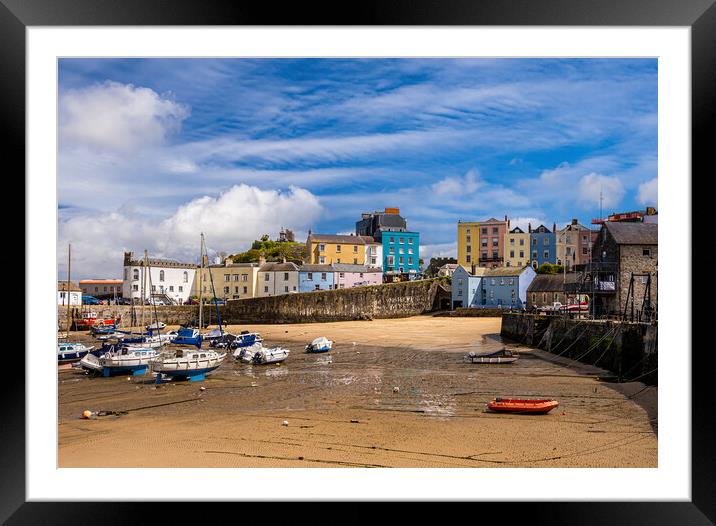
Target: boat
[[187, 336], [246, 354], [71, 352], [99, 330], [245, 339], [270, 355], [87, 320], [517, 405], [321, 344], [501, 356], [120, 360], [191, 364], [156, 327]]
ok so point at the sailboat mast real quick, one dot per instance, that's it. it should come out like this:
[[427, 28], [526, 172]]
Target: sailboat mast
[[67, 293], [201, 279], [144, 284]]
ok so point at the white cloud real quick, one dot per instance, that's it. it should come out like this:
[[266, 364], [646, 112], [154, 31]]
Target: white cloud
[[230, 223], [458, 185], [117, 116], [594, 185], [648, 192], [439, 250]]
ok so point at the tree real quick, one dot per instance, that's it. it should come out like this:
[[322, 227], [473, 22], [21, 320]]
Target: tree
[[548, 268]]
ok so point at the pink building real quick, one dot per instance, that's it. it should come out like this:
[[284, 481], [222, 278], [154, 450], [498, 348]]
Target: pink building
[[492, 242], [347, 276]]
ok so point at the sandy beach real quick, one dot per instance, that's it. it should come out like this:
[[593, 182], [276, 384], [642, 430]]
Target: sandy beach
[[343, 410]]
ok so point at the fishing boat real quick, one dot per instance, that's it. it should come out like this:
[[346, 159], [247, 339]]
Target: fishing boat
[[501, 356], [270, 355], [71, 352], [321, 344], [517, 405], [87, 320], [246, 354], [120, 360], [191, 364]]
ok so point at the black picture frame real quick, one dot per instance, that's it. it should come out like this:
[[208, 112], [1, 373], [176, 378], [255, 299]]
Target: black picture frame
[[699, 15]]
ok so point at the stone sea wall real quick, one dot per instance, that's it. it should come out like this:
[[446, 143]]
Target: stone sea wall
[[629, 350]]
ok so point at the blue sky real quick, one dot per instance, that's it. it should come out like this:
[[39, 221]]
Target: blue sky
[[154, 151]]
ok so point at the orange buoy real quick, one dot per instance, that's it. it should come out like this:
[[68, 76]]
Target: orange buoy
[[87, 415]]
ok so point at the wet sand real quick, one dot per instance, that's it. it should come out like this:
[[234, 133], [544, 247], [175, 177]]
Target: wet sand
[[342, 410]]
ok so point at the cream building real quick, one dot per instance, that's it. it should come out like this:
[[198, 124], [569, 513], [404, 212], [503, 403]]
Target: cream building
[[517, 248], [275, 279], [163, 278], [232, 281]]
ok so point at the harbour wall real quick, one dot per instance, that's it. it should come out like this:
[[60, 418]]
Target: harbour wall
[[629, 350], [390, 300]]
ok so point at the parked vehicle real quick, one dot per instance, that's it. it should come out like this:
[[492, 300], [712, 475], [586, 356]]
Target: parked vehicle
[[89, 300]]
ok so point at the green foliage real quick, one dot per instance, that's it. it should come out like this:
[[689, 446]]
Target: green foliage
[[271, 250], [548, 268]]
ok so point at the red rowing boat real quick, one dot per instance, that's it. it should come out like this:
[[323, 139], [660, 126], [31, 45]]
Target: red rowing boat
[[516, 405]]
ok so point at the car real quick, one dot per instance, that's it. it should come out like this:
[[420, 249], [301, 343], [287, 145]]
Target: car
[[89, 300], [191, 301], [124, 301]]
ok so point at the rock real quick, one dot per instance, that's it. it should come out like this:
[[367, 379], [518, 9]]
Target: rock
[[284, 423], [202, 388], [354, 422], [396, 389]]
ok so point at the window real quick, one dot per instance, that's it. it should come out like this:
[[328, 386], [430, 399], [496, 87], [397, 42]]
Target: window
[[410, 241], [181, 289], [584, 251], [309, 276], [392, 250], [355, 261], [136, 274], [338, 248], [318, 287], [244, 277], [360, 274], [556, 296], [226, 290], [321, 247], [502, 281], [410, 251], [522, 242], [534, 297], [546, 254], [323, 276], [534, 254], [227, 277], [483, 231], [154, 288], [285, 289], [646, 252], [467, 259], [494, 231], [338, 260], [493, 282], [135, 287], [534, 240], [469, 248], [494, 256], [459, 292], [512, 241], [402, 240], [400, 260], [355, 249], [186, 277], [522, 253], [322, 260], [512, 253], [266, 276], [171, 288], [245, 290], [483, 255], [546, 241], [236, 277], [265, 289], [468, 239], [410, 262], [341, 275], [161, 275], [390, 261], [285, 276], [483, 242], [105, 289], [544, 297]]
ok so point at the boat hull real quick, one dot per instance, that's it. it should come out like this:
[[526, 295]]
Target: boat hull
[[512, 405], [71, 357]]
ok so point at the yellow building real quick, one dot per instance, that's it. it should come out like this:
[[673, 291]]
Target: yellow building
[[232, 281], [468, 242], [517, 248], [324, 249]]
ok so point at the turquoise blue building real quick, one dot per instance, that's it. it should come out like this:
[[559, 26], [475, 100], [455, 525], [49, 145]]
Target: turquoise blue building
[[543, 246], [401, 252]]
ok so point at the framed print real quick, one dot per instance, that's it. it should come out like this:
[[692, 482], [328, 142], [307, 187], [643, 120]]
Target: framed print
[[417, 248]]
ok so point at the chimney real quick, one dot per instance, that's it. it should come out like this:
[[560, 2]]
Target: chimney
[[554, 227], [283, 260], [508, 224], [473, 269], [505, 217], [529, 227], [262, 260], [574, 221]]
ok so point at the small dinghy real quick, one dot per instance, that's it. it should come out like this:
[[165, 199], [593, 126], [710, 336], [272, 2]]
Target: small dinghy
[[246, 339], [246, 354], [188, 336], [189, 364], [321, 344], [517, 405], [99, 330], [501, 356], [272, 355], [71, 352]]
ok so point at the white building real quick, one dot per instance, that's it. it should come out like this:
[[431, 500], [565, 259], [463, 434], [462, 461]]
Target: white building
[[162, 278], [275, 279], [374, 254], [75, 295]]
